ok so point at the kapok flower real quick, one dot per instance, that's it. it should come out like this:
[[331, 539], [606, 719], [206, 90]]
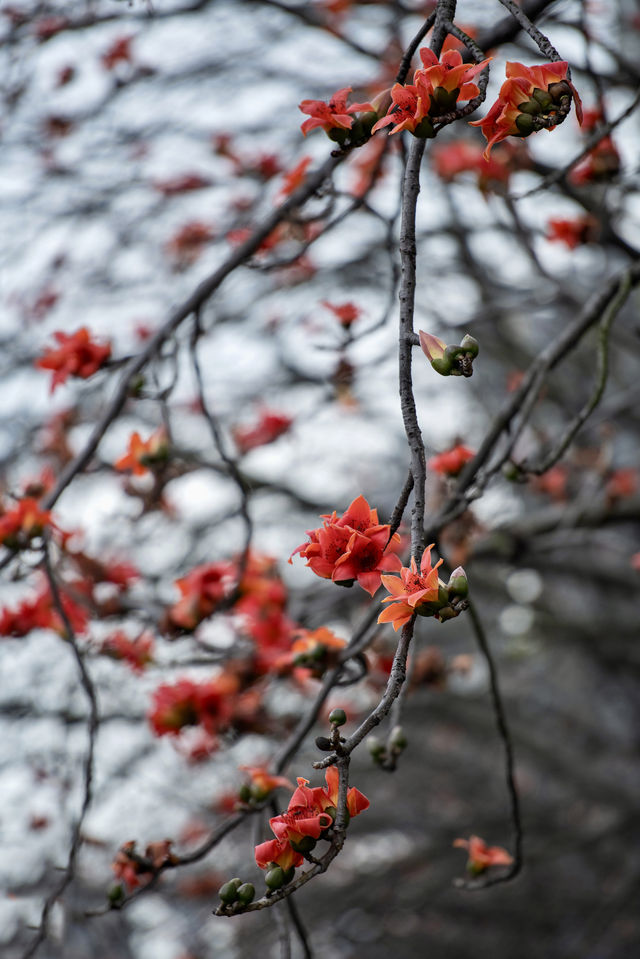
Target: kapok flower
[[295, 177], [262, 783], [76, 355], [530, 99], [412, 592], [25, 520], [187, 703], [134, 869], [138, 653], [408, 110], [270, 426], [481, 856], [203, 589], [573, 233], [450, 360], [352, 547], [346, 313], [357, 802], [332, 115], [451, 462], [316, 649], [142, 455]]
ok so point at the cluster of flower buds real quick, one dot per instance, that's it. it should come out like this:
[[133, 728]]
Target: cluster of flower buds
[[235, 892], [386, 754], [450, 360], [544, 108], [424, 593]]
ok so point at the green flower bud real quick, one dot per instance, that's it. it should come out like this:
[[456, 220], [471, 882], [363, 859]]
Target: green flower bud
[[530, 106], [289, 874], [338, 135], [559, 90], [375, 747], [443, 101], [424, 130], [398, 740], [470, 345], [525, 124], [229, 891], [337, 717], [458, 584], [246, 892], [275, 878], [244, 793], [304, 845], [447, 612], [442, 366], [543, 97], [115, 894]]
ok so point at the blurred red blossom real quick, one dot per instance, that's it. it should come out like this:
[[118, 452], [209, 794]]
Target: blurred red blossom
[[77, 354], [450, 463], [481, 856], [271, 424]]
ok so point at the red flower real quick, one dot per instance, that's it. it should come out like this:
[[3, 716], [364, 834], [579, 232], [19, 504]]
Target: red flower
[[531, 98], [118, 52], [352, 547], [143, 454], [187, 703], [411, 591], [262, 783], [481, 856], [331, 115], [294, 178], [328, 797], [347, 313], [76, 355], [40, 613], [573, 233], [269, 427], [316, 649], [203, 589], [622, 484], [24, 521], [451, 462], [134, 869], [187, 244], [138, 653]]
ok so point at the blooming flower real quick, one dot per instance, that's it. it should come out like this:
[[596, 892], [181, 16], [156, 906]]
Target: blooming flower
[[40, 612], [481, 856], [316, 649], [331, 115], [262, 783], [530, 99], [143, 454], [76, 355], [138, 653], [203, 589], [352, 547], [24, 521], [187, 703], [411, 591], [451, 462]]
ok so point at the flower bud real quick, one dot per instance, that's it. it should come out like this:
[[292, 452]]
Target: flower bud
[[115, 894], [442, 366], [458, 584], [397, 740], [376, 748], [525, 124], [511, 472], [443, 100], [424, 130], [246, 892], [304, 845], [530, 106], [338, 135], [337, 717], [470, 345], [559, 90], [447, 612], [275, 878], [244, 793], [543, 97], [229, 891], [323, 743]]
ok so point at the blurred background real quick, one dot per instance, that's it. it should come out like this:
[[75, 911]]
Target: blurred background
[[140, 142]]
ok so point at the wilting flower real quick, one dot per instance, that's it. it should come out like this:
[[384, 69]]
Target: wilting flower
[[352, 547], [331, 115], [451, 462], [76, 355], [142, 455], [481, 856], [530, 99]]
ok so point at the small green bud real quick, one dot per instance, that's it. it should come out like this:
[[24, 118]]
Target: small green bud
[[447, 612], [424, 130], [470, 345], [275, 878], [525, 124], [375, 747], [229, 892], [442, 366], [511, 472], [543, 97], [559, 90], [337, 717], [530, 106], [244, 793], [115, 894], [458, 584], [246, 892], [398, 740], [338, 135], [289, 874], [304, 845]]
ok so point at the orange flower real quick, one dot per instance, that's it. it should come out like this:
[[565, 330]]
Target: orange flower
[[20, 524], [144, 454], [332, 115], [352, 547], [187, 703], [328, 797], [412, 592], [138, 653], [76, 355], [450, 74], [530, 99], [262, 783], [481, 856], [451, 462], [203, 589]]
